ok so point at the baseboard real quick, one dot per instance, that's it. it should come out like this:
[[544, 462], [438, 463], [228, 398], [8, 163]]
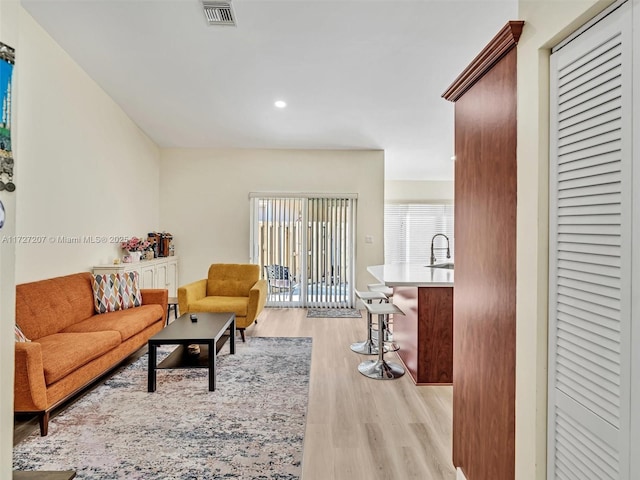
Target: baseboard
[[460, 474]]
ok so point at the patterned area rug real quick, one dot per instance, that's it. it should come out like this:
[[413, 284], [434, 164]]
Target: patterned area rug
[[333, 313], [251, 427]]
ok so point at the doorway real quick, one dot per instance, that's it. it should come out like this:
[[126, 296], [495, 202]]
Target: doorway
[[304, 245]]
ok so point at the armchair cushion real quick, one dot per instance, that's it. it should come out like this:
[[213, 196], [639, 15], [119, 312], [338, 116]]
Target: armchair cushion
[[231, 279], [237, 305]]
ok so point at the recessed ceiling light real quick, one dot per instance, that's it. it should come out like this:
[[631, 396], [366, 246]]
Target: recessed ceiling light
[[280, 104]]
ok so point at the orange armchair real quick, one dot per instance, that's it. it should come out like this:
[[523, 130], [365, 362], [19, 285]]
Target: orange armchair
[[229, 287]]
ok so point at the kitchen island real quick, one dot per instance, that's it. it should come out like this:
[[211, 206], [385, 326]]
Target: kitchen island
[[425, 332]]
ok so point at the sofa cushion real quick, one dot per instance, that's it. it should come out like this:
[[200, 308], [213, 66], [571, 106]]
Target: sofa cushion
[[20, 337], [232, 279], [127, 322], [62, 353], [47, 306], [116, 291], [130, 290], [237, 305], [106, 293]]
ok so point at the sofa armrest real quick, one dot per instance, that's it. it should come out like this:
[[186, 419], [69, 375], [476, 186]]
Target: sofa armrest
[[257, 299], [192, 292], [30, 389], [159, 296]]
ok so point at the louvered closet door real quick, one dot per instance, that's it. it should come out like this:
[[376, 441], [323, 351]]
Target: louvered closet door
[[589, 251]]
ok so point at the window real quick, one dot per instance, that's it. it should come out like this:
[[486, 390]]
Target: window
[[409, 228]]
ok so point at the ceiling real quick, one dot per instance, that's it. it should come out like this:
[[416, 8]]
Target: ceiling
[[356, 74]]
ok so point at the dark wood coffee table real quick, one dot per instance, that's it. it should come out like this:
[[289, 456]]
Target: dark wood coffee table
[[42, 475], [210, 332]]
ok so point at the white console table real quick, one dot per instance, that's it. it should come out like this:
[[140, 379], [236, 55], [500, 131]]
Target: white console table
[[157, 273]]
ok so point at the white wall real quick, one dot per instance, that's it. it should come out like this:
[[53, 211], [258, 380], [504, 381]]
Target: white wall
[[205, 199], [418, 191], [9, 36], [82, 168], [85, 168], [546, 23]]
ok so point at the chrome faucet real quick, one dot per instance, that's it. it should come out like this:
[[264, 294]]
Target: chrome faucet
[[433, 257]]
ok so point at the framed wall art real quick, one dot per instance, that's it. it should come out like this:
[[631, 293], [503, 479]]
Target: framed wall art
[[7, 62]]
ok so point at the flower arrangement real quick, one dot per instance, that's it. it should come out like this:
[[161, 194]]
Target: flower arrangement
[[135, 244]]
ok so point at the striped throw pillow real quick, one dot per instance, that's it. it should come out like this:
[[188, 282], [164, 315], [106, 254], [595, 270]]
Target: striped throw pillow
[[20, 337]]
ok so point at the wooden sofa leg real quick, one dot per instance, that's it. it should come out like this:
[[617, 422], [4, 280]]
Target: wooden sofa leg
[[242, 333], [44, 424]]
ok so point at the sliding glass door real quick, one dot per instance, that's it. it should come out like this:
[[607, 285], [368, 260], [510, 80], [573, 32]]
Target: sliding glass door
[[305, 247]]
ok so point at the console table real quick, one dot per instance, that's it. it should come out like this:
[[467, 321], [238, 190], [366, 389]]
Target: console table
[[157, 273]]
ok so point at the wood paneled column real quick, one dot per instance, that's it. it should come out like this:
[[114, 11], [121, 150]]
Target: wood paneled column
[[484, 305]]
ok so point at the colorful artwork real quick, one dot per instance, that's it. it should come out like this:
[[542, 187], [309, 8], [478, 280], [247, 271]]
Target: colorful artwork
[[7, 60]]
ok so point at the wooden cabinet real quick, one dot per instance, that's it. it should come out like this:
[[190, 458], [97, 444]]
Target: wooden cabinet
[[485, 277], [156, 273], [425, 333], [166, 274]]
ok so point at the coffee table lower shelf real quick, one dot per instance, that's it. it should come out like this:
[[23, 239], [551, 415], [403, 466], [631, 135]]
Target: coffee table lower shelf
[[179, 358]]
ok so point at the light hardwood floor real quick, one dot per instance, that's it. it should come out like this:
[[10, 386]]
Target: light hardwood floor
[[357, 428]]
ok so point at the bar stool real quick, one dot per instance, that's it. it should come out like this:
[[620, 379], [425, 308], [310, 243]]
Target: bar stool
[[368, 347], [381, 287], [388, 291], [380, 369]]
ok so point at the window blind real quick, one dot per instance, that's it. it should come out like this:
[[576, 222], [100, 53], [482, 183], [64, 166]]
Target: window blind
[[305, 247], [409, 228]]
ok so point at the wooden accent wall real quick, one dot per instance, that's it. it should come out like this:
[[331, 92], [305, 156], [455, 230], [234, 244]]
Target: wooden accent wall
[[425, 333], [485, 273]]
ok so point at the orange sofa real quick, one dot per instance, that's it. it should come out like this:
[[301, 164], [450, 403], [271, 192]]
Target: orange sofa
[[70, 344]]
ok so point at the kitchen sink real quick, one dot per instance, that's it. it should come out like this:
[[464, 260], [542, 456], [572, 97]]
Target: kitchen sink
[[448, 266]]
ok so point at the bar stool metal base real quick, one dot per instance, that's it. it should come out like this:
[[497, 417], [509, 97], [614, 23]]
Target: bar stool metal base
[[391, 347], [381, 369], [369, 348], [365, 348], [388, 335]]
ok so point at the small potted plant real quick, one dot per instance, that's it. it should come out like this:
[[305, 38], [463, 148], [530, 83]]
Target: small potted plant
[[135, 247]]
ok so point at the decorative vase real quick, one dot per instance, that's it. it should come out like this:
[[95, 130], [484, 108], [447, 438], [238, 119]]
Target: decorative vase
[[135, 256]]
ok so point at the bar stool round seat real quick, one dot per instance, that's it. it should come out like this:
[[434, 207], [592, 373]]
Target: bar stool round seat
[[381, 287], [368, 347], [381, 369]]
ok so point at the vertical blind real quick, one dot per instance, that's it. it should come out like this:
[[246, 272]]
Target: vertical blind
[[409, 228], [279, 237], [330, 251], [305, 247]]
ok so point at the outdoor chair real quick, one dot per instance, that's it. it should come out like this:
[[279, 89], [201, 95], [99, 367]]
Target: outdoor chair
[[279, 280]]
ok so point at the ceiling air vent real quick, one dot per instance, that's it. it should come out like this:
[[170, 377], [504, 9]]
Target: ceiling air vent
[[218, 13]]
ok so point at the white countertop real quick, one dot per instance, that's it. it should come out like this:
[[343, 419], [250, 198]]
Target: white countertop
[[412, 274]]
